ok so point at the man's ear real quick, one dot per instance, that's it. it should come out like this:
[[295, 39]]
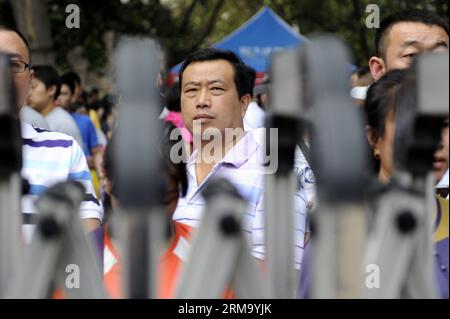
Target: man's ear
[[377, 67], [52, 91], [245, 101]]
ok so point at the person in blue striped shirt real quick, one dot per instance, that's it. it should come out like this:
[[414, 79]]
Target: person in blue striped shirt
[[48, 157]]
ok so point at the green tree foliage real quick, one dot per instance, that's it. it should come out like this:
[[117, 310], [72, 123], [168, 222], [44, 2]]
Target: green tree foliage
[[345, 18], [186, 25]]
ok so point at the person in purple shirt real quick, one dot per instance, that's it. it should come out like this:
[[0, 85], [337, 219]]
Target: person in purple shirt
[[381, 107], [399, 39], [441, 232]]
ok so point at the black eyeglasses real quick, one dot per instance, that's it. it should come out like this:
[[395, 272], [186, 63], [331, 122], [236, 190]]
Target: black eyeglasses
[[18, 66]]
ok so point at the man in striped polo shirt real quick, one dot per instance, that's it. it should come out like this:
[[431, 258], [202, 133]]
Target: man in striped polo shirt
[[215, 94], [48, 157]]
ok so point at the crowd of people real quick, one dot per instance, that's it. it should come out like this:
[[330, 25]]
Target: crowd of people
[[68, 135]]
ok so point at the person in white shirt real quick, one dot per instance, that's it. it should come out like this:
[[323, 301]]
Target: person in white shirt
[[254, 116], [215, 95]]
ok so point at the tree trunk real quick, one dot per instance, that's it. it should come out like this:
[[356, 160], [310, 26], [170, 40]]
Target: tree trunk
[[32, 19], [186, 17], [362, 28], [209, 25]]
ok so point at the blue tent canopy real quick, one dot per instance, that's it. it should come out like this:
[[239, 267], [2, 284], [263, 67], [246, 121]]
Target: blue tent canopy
[[257, 39]]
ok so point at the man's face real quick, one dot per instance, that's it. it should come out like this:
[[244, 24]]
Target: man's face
[[40, 96], [209, 96], [403, 42], [440, 162], [11, 43], [407, 39], [65, 97]]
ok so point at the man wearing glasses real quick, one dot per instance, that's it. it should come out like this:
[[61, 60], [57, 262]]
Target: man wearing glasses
[[48, 157]]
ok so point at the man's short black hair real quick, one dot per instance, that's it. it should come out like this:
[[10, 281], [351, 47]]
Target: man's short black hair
[[251, 75], [410, 15], [48, 76], [74, 77], [173, 98], [382, 98], [7, 27], [211, 54], [69, 81]]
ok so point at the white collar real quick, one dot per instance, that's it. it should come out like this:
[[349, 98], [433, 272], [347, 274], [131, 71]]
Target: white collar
[[443, 183]]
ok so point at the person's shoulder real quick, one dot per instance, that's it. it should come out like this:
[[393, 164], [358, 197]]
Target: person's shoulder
[[443, 204], [258, 135], [28, 110], [442, 220], [85, 118], [56, 111], [40, 134], [56, 116], [252, 150], [254, 109], [71, 123], [60, 112], [79, 118], [29, 115], [49, 142]]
